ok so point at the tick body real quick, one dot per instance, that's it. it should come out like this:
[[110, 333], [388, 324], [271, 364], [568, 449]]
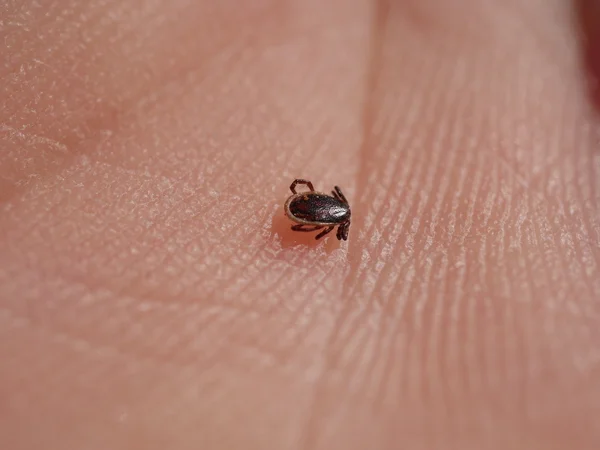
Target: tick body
[[312, 210]]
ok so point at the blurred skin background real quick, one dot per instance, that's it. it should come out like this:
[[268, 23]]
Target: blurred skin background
[[152, 295]]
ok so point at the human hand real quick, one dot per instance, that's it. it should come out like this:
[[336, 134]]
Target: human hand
[[153, 296]]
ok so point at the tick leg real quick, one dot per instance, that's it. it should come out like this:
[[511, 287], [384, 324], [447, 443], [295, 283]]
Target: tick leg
[[342, 231], [301, 181], [304, 227], [340, 194], [336, 196], [325, 231]]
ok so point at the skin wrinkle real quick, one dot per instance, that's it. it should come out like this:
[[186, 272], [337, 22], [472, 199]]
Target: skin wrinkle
[[382, 219], [81, 343], [410, 286], [311, 157], [469, 307], [484, 275], [82, 244], [586, 216], [164, 356], [410, 327], [382, 277], [432, 338], [410, 234], [378, 24], [454, 327], [123, 105], [20, 99]]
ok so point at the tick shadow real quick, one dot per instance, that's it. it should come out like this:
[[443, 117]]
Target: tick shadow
[[281, 227]]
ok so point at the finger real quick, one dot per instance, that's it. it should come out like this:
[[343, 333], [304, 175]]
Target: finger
[[476, 192]]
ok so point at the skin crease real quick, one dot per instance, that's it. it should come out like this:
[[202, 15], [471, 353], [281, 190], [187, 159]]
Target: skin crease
[[152, 295]]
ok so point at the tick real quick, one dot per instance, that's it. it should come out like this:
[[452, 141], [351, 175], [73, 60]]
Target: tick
[[312, 210]]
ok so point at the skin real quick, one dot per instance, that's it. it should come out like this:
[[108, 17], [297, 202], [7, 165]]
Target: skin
[[152, 295]]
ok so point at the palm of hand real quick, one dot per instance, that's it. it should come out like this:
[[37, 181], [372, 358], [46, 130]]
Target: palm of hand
[[148, 276]]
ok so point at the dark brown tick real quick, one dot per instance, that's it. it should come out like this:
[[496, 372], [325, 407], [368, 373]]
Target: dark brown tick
[[312, 210]]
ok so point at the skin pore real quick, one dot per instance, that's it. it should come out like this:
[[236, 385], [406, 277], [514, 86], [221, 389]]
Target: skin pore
[[153, 296]]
